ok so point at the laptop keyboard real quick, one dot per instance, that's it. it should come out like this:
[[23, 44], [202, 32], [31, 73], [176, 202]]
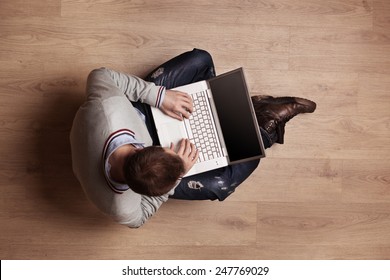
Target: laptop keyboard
[[203, 133]]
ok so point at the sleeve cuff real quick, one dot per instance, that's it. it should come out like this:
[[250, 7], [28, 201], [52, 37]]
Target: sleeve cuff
[[156, 97]]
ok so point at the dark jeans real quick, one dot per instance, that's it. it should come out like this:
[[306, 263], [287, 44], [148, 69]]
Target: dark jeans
[[189, 67]]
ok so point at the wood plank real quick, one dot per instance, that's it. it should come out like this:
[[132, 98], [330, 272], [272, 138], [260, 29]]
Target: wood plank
[[339, 50], [354, 13], [270, 252], [113, 43], [196, 223], [366, 181], [323, 224], [374, 98], [36, 8], [293, 180], [381, 15], [336, 137]]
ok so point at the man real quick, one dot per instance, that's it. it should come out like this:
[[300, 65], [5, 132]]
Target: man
[[114, 143]]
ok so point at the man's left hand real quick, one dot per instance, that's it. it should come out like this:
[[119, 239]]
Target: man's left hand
[[177, 104]]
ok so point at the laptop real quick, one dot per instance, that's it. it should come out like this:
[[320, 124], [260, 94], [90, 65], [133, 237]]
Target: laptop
[[223, 125]]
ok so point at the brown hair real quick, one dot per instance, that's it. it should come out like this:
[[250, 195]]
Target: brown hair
[[152, 171]]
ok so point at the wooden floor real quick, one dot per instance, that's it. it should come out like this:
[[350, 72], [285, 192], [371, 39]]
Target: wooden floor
[[325, 194]]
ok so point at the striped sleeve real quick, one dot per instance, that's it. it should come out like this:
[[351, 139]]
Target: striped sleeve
[[160, 97]]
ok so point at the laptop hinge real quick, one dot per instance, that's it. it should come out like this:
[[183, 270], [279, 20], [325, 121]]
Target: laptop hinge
[[208, 93], [224, 152]]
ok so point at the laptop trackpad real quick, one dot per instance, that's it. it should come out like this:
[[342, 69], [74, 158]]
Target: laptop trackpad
[[171, 132]]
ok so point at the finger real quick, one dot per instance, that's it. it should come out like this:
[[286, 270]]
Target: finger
[[194, 153], [183, 105], [174, 115], [196, 156], [185, 113], [189, 147], [193, 158], [193, 150], [186, 110], [172, 147], [181, 147], [184, 95], [179, 116], [187, 102], [190, 107]]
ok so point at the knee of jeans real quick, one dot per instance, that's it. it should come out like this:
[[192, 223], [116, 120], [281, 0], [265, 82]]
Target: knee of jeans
[[204, 57], [223, 188], [202, 54]]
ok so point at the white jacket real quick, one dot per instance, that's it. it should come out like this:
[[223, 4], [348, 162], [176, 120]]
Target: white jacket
[[106, 111]]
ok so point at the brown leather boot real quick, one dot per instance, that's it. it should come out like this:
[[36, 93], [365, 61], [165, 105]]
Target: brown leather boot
[[273, 112]]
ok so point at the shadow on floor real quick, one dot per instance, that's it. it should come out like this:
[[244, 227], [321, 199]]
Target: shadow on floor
[[60, 190]]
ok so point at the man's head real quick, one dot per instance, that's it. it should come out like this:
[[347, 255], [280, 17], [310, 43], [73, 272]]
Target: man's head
[[153, 170]]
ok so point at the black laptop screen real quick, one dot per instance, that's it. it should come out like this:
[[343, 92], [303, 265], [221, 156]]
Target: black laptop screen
[[233, 105]]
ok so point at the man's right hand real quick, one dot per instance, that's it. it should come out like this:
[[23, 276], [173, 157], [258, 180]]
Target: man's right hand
[[188, 153]]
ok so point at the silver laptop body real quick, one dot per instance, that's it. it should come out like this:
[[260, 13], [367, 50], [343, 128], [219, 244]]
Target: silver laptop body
[[207, 133]]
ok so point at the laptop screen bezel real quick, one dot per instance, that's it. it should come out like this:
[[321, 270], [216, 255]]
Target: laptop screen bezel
[[216, 110]]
